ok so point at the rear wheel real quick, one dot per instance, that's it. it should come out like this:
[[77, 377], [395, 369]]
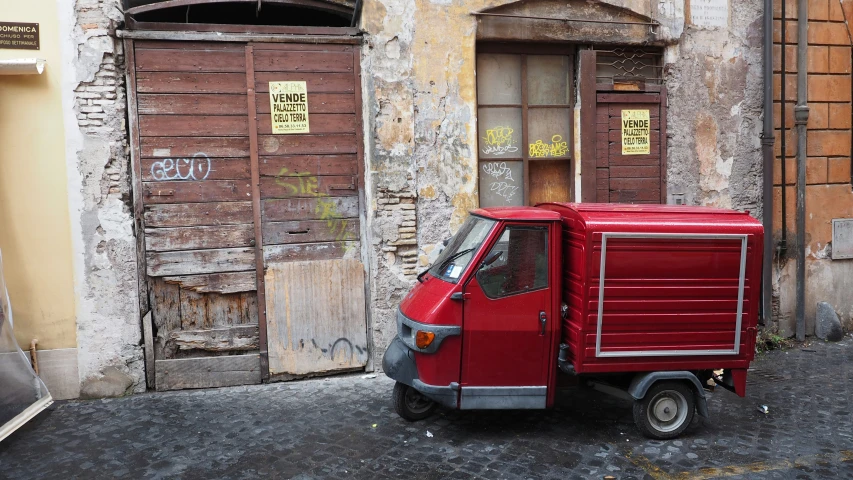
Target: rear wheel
[[411, 404], [666, 410]]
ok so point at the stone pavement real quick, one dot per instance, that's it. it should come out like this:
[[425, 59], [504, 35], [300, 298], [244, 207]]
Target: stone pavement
[[345, 427]]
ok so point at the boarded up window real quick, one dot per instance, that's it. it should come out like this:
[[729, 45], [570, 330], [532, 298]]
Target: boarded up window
[[524, 122]]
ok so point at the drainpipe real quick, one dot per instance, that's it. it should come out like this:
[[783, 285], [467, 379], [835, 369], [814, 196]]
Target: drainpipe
[[801, 118], [767, 140]]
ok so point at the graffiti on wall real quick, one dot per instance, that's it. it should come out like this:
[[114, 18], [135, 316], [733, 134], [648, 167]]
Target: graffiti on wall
[[305, 184], [499, 141], [503, 183], [195, 168], [557, 148]]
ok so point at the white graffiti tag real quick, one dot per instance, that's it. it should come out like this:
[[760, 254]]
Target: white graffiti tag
[[498, 170], [195, 168], [503, 189]]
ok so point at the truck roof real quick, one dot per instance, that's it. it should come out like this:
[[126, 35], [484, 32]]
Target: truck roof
[[661, 218], [517, 213]]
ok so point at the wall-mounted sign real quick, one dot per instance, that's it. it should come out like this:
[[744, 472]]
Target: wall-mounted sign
[[635, 132], [709, 13], [289, 107], [22, 36]]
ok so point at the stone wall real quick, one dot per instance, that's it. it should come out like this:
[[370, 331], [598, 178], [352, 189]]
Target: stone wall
[[106, 281], [828, 191]]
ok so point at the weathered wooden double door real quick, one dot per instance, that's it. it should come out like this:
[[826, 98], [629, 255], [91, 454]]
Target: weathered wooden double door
[[225, 207]]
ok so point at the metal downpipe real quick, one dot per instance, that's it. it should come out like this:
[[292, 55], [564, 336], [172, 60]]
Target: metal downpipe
[[767, 141], [801, 118]]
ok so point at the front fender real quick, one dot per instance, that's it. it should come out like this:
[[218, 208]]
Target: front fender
[[398, 363]]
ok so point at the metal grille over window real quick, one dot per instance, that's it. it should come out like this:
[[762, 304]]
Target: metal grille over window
[[629, 68], [524, 128]]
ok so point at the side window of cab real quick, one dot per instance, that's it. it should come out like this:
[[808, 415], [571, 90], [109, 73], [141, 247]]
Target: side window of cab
[[517, 263]]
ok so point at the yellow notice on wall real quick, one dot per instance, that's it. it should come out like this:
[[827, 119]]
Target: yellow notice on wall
[[635, 132], [289, 107]]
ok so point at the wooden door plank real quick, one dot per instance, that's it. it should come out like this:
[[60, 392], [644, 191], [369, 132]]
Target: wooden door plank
[[317, 102], [250, 307], [165, 313], [223, 283], [192, 104], [550, 181], [308, 186], [322, 208], [198, 214], [198, 238], [148, 350], [316, 316], [191, 82], [203, 125], [185, 147], [316, 82], [284, 61], [307, 144], [157, 60], [256, 209], [301, 165], [204, 191], [632, 171], [224, 311], [308, 231], [235, 338], [173, 45], [653, 98], [589, 114], [193, 310], [318, 123], [311, 251], [634, 183], [194, 262], [194, 168], [209, 372]]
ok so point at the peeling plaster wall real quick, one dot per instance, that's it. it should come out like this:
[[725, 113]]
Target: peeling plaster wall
[[714, 82], [94, 106], [420, 104]]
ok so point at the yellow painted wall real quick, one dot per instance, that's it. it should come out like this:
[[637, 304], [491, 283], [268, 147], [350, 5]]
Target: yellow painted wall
[[35, 234]]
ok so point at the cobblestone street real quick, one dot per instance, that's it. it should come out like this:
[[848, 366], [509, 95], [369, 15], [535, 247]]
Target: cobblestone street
[[345, 427]]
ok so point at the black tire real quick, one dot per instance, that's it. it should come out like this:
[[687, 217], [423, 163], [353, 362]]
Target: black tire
[[410, 404], [666, 410]]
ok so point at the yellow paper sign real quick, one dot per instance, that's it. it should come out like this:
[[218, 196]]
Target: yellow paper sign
[[635, 132], [289, 107]]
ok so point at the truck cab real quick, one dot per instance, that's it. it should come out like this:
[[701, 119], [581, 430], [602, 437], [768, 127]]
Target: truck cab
[[517, 297]]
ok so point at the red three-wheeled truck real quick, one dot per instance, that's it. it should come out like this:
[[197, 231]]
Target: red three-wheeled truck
[[651, 302]]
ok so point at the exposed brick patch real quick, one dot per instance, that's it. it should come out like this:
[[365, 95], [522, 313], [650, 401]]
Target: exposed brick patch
[[402, 251]]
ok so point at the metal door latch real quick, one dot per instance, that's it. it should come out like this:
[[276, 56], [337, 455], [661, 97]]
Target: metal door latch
[[543, 319]]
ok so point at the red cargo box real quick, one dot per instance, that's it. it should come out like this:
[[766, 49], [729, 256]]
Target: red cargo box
[[659, 287]]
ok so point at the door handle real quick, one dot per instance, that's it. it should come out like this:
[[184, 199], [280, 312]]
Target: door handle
[[543, 319]]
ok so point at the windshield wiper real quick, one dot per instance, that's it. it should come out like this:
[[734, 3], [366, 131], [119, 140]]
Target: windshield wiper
[[453, 257]]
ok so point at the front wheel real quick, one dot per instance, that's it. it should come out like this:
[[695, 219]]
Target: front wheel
[[666, 410], [411, 404]]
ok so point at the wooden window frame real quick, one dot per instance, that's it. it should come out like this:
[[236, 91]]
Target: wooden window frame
[[526, 50]]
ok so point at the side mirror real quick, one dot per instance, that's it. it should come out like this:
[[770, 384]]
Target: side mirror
[[492, 258]]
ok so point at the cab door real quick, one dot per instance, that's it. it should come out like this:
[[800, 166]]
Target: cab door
[[506, 324]]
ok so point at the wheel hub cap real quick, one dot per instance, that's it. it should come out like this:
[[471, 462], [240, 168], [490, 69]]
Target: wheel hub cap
[[665, 409]]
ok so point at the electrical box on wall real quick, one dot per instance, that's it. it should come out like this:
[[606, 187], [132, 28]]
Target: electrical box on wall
[[842, 238]]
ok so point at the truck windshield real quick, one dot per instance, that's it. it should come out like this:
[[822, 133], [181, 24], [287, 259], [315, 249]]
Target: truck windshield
[[461, 249]]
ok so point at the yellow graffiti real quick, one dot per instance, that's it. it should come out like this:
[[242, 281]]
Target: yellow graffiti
[[304, 184], [557, 148], [298, 183], [498, 141]]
